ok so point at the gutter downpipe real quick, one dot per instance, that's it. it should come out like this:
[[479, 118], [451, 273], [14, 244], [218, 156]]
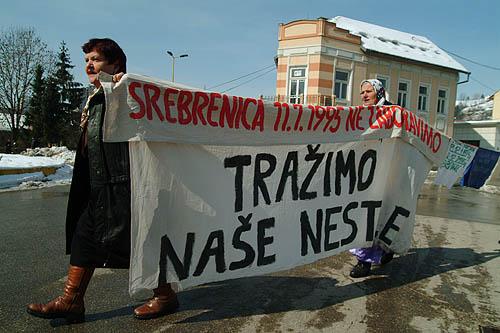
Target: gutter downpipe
[[467, 80]]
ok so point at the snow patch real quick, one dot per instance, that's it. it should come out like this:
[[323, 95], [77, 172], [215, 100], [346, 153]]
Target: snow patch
[[62, 153], [59, 158], [490, 189]]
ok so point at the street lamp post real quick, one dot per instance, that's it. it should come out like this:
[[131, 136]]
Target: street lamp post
[[173, 62]]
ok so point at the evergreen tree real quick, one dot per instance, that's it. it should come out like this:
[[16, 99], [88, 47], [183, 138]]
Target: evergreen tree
[[52, 112], [35, 117], [64, 115]]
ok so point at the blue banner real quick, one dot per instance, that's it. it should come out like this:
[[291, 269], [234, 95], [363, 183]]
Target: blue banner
[[480, 168]]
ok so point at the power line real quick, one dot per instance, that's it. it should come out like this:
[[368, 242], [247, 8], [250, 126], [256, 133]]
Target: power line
[[472, 61], [241, 77], [256, 77], [482, 84]]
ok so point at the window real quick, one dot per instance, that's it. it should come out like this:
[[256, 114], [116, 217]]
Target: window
[[474, 143], [297, 85], [403, 94], [442, 101], [385, 82], [341, 84], [423, 98]]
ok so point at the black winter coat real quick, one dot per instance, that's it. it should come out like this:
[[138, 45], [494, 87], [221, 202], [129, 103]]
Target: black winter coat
[[99, 197]]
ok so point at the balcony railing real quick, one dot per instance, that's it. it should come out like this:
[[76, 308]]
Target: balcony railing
[[325, 100]]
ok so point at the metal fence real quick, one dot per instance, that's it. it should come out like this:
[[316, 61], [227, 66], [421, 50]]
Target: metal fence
[[325, 100]]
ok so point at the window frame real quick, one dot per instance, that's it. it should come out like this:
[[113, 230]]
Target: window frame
[[291, 79], [444, 101], [427, 97], [407, 92], [347, 84], [445, 123], [387, 79]]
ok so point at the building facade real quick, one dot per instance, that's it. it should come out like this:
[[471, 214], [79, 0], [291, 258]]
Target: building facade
[[323, 62]]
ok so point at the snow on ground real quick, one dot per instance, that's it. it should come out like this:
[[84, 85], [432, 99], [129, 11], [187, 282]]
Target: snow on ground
[[31, 161], [490, 189], [15, 161], [61, 153], [431, 177], [36, 179]]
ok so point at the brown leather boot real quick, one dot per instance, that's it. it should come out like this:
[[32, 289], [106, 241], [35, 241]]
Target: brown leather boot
[[70, 305], [164, 302]]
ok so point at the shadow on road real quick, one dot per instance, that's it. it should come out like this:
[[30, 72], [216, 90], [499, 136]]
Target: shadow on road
[[125, 311], [270, 294]]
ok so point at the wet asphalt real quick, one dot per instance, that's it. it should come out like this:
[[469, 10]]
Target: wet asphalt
[[461, 203], [449, 281]]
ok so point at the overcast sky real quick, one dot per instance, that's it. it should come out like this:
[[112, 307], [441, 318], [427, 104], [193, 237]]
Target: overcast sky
[[228, 39]]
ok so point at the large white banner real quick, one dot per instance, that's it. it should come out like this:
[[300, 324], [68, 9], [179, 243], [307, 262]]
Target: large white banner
[[226, 187]]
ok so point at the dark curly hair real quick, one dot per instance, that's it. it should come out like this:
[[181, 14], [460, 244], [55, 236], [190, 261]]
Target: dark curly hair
[[109, 49]]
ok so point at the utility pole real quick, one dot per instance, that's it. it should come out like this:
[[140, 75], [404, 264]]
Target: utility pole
[[171, 54]]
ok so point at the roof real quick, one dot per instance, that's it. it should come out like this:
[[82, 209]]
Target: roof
[[492, 96], [397, 43]]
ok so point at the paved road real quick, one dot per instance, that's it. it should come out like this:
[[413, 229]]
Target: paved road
[[462, 203], [449, 281]]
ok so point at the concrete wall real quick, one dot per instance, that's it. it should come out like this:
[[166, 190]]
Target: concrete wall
[[487, 132], [496, 106]]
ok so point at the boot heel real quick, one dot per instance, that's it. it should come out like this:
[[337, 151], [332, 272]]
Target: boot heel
[[75, 318]]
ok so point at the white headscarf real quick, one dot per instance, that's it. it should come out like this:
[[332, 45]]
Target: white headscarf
[[382, 96]]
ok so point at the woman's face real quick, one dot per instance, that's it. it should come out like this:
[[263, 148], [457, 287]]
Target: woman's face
[[368, 94], [96, 62]]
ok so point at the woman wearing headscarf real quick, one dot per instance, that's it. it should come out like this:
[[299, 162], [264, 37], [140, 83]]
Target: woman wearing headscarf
[[372, 93]]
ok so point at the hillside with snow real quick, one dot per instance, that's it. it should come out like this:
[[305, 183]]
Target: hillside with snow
[[473, 109]]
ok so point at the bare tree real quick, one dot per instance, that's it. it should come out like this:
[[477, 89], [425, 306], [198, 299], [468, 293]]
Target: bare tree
[[21, 50]]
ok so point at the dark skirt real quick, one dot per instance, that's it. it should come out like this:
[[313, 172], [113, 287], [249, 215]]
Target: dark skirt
[[92, 244]]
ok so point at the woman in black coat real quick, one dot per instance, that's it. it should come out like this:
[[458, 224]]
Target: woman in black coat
[[98, 216]]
